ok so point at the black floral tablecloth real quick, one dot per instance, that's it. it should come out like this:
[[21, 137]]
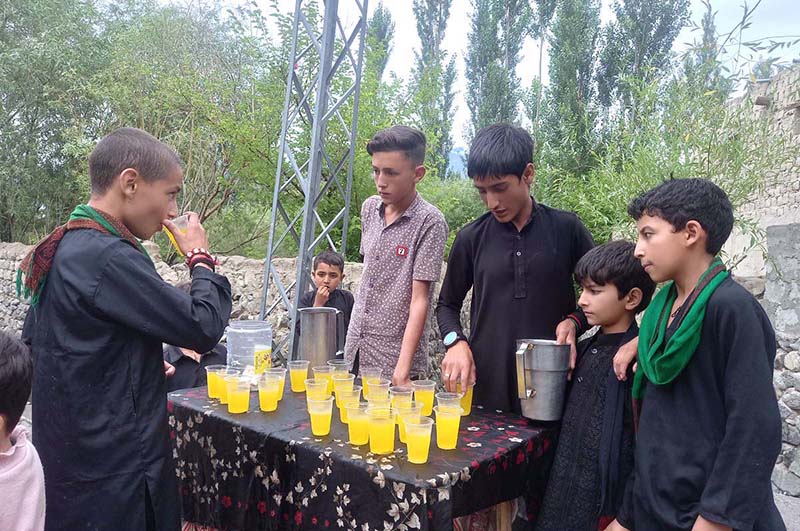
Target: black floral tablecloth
[[259, 471]]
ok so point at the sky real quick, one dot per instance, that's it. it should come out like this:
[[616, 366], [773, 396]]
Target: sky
[[772, 18]]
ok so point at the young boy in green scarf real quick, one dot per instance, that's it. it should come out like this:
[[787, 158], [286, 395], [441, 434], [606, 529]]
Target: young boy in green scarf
[[99, 315], [709, 429]]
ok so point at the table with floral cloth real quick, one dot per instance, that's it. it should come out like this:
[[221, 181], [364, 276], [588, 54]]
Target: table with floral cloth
[[259, 471]]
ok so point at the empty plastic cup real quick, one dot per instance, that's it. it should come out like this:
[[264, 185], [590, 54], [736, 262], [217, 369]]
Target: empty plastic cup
[[326, 372], [448, 399], [339, 366], [358, 423], [348, 398], [320, 412], [423, 392], [418, 439], [279, 372], [215, 379], [298, 372], [381, 430], [466, 398], [379, 389], [407, 411], [317, 389], [269, 388], [447, 421], [342, 382], [399, 394], [369, 375], [238, 393]]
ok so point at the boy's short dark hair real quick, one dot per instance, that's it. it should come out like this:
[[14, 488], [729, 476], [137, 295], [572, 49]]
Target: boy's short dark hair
[[680, 200], [16, 375], [128, 147], [400, 138], [614, 263], [499, 150], [331, 258]]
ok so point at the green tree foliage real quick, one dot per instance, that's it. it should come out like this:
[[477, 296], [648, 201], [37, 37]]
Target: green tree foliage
[[569, 135], [46, 99], [497, 31], [434, 77], [637, 45], [380, 33]]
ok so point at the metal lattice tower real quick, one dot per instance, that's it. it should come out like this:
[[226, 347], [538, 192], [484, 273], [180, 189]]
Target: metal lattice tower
[[311, 201]]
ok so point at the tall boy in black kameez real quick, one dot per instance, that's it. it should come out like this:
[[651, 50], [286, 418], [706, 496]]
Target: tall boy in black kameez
[[595, 449], [709, 430]]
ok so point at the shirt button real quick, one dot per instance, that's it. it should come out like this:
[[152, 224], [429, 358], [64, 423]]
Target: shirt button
[[519, 253], [580, 379], [594, 351]]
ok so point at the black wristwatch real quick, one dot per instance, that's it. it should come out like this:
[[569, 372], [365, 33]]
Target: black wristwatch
[[452, 338]]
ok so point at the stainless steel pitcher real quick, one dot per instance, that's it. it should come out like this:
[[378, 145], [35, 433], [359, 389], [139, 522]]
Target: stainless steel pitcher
[[542, 368], [321, 334]]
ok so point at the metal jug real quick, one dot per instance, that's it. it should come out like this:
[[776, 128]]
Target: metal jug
[[321, 334], [542, 367]]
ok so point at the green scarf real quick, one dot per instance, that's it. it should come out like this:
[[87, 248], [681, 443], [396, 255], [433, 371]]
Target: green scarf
[[117, 229], [660, 362], [32, 272]]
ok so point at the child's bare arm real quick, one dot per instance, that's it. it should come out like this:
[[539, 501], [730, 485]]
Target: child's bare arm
[[624, 356]]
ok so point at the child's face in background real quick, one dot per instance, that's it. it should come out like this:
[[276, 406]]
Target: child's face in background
[[660, 248], [328, 276], [602, 304]]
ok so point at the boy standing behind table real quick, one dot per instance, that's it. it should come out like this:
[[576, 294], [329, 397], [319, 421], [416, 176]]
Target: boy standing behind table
[[402, 241]]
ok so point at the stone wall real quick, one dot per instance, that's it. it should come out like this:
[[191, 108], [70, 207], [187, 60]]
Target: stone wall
[[782, 302], [244, 274], [778, 203]]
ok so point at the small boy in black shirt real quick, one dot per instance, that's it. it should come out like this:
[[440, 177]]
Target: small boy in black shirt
[[327, 275], [595, 449]]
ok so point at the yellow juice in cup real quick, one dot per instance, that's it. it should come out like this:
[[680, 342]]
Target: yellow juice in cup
[[320, 412], [268, 399], [447, 422], [418, 447], [401, 427], [418, 434], [358, 428], [238, 397], [298, 378], [182, 222], [320, 423], [466, 399], [381, 431], [216, 385], [426, 397]]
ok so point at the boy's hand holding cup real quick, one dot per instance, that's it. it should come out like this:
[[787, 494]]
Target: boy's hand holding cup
[[187, 232]]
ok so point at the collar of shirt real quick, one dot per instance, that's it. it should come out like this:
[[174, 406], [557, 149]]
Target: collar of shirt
[[409, 212]]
